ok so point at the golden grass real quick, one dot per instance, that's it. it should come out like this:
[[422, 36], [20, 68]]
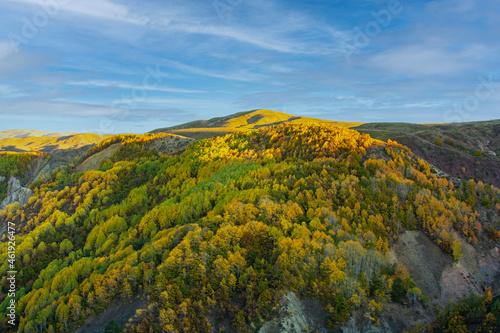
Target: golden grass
[[267, 118], [33, 144]]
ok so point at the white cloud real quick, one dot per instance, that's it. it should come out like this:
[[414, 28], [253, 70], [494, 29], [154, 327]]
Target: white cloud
[[428, 59], [122, 85], [7, 91], [244, 36], [452, 6], [243, 75], [13, 64], [102, 9], [177, 102], [5, 50], [57, 108]]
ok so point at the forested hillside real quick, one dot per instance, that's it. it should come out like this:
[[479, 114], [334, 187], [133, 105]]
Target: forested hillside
[[215, 235], [462, 150]]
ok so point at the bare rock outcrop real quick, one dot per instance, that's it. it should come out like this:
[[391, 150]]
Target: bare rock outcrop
[[16, 193], [297, 315]]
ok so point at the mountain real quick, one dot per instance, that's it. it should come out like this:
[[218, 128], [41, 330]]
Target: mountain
[[242, 121], [459, 150], [34, 157], [294, 227], [21, 133], [456, 157], [50, 143]]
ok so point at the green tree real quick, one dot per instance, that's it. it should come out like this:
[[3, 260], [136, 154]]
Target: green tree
[[112, 327], [457, 325], [457, 250]]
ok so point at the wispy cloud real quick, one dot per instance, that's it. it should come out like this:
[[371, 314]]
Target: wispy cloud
[[127, 86], [167, 102], [248, 36], [242, 75], [429, 58], [101, 9], [5, 50], [7, 91]]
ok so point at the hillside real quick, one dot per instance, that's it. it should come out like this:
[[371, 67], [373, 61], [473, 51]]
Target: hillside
[[454, 158], [21, 133], [50, 144], [464, 150], [42, 154], [242, 121], [294, 227]]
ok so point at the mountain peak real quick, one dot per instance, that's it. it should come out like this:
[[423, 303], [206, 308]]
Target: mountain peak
[[242, 121]]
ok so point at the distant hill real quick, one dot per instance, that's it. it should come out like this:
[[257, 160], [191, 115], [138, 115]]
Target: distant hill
[[49, 144], [243, 121], [46, 153], [464, 150], [22, 133]]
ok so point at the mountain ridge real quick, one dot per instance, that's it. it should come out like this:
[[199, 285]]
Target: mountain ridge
[[50, 143], [21, 133], [243, 121]]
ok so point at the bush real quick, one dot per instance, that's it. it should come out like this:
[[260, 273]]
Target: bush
[[112, 327], [438, 142], [457, 250], [397, 290], [449, 142], [478, 153]]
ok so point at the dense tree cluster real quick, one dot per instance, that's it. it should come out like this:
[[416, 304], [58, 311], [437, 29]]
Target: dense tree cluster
[[479, 314], [223, 229], [15, 164]]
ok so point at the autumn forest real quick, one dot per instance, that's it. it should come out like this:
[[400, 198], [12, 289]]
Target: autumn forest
[[212, 236]]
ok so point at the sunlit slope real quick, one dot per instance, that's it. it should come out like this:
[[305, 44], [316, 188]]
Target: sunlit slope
[[462, 150], [50, 144], [213, 237], [243, 121], [21, 133]]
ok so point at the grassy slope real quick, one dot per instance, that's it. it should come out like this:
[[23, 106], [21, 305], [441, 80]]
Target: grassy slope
[[49, 144], [242, 121], [21, 133], [460, 142]]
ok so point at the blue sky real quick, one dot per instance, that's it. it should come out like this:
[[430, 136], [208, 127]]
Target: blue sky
[[114, 66]]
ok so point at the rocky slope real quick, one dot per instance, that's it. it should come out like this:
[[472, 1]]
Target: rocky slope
[[16, 193]]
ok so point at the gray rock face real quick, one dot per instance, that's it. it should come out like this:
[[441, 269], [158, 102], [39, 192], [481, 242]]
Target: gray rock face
[[297, 316], [16, 193], [2, 179]]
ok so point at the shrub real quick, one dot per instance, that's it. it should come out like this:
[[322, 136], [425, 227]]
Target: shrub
[[438, 142], [449, 142], [457, 250], [478, 153]]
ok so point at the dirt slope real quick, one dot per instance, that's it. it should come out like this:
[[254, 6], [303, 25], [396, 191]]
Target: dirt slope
[[438, 276], [92, 163]]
